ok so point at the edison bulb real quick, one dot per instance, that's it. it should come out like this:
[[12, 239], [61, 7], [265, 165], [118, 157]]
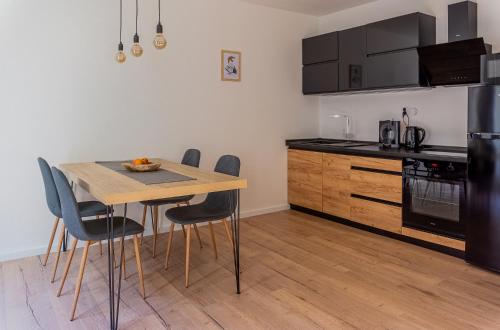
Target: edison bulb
[[136, 49], [159, 41], [120, 56]]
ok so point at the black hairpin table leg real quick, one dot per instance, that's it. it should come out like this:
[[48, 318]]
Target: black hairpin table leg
[[235, 229]]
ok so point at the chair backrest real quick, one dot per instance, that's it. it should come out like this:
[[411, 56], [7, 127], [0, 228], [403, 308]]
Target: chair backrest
[[192, 158], [51, 194], [230, 165], [69, 206]]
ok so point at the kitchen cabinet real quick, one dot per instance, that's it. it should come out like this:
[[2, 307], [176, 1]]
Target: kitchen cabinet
[[320, 78], [392, 70], [381, 186], [379, 55], [403, 32], [336, 185], [305, 179], [319, 49], [352, 55], [378, 215]]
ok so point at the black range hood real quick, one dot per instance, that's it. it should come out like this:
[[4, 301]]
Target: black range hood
[[453, 63]]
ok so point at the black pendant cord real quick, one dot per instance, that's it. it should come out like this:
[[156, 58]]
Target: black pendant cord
[[136, 15], [120, 45], [159, 12]]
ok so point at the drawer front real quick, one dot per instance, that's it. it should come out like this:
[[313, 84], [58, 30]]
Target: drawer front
[[433, 238], [336, 185], [378, 215], [390, 165], [305, 179], [385, 187]]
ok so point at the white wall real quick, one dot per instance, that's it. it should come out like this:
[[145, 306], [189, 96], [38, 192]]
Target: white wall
[[441, 111], [64, 98]]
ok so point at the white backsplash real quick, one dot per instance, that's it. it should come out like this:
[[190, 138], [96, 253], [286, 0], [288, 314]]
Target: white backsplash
[[441, 111]]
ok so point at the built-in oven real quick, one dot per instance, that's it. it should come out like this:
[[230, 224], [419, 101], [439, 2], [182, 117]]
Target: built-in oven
[[434, 196]]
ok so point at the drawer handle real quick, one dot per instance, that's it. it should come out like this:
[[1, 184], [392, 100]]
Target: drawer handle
[[373, 170], [376, 200]]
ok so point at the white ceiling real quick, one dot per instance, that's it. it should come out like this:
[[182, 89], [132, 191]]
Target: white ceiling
[[311, 7]]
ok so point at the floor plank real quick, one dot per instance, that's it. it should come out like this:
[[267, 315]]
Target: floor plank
[[298, 272]]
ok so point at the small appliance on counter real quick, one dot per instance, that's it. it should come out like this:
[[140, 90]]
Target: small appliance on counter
[[389, 134], [414, 138]]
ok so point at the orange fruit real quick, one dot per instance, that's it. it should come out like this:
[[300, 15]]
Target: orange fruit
[[137, 162]]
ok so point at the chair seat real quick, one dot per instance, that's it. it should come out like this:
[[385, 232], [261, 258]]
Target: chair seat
[[164, 201], [196, 213], [91, 209], [97, 229]]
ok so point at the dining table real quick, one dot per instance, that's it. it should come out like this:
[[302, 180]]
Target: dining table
[[113, 185]]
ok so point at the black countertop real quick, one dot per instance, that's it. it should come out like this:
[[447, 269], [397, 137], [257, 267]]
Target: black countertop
[[372, 149]]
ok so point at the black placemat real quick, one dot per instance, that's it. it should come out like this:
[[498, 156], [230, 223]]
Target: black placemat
[[148, 178]]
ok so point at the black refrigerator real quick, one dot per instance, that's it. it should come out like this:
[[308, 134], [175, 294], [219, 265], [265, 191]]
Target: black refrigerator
[[482, 207]]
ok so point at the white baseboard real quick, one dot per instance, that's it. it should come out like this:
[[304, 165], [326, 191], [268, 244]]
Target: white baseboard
[[34, 251]]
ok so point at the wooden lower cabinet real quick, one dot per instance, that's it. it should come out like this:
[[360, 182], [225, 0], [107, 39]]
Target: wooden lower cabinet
[[433, 238], [378, 215], [336, 185], [305, 179], [387, 187]]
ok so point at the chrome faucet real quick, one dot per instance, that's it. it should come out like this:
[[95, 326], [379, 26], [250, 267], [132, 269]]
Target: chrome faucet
[[348, 134]]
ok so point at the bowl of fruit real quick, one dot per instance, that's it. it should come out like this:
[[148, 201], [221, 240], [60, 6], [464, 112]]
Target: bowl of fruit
[[142, 165]]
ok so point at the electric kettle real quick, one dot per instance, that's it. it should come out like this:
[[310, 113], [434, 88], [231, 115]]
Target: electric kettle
[[414, 137]]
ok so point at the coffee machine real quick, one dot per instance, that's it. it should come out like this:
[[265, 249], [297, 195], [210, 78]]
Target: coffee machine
[[389, 133]]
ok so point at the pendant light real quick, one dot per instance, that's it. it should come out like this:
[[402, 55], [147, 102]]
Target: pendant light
[[120, 56], [159, 41], [136, 47]]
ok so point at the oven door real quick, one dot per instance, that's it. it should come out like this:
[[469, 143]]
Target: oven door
[[434, 205]]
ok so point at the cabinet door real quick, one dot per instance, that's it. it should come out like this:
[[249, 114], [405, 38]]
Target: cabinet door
[[398, 69], [378, 215], [393, 34], [352, 54], [305, 179], [336, 185], [319, 49], [320, 78]]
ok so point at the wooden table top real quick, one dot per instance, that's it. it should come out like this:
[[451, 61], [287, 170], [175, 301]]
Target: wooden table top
[[112, 188]]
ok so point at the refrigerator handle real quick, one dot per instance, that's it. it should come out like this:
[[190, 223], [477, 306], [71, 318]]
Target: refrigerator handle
[[484, 136]]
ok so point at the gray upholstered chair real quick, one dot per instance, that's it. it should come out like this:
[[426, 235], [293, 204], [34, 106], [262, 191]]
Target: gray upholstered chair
[[191, 158], [86, 209], [90, 231], [217, 206]]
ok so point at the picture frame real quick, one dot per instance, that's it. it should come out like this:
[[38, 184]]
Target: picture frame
[[230, 65]]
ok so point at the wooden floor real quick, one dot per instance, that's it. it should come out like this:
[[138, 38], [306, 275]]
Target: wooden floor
[[298, 272]]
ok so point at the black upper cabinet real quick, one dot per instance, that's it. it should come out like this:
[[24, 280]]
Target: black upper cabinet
[[403, 32], [320, 78], [352, 56], [320, 49], [393, 70]]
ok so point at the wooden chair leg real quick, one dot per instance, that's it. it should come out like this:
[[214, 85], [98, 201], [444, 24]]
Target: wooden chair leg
[[198, 235], [58, 255], [155, 229], [54, 230], [139, 266], [80, 278], [68, 264], [143, 223], [211, 227], [184, 231], [228, 231], [188, 247], [169, 243]]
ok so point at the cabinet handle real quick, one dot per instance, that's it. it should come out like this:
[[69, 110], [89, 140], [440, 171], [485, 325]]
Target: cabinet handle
[[376, 200]]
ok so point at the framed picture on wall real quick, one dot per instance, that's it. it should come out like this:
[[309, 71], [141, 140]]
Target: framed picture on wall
[[230, 65]]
